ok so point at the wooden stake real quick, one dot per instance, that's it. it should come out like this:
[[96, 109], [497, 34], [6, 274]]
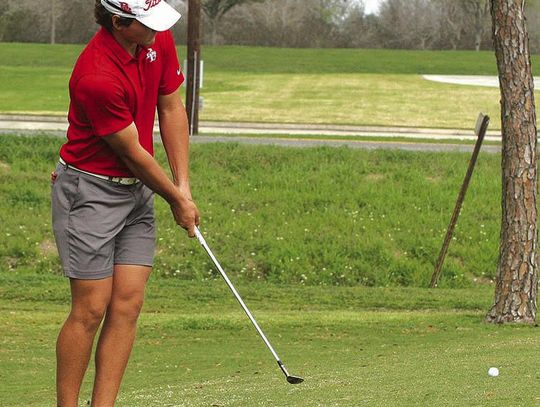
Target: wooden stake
[[481, 128]]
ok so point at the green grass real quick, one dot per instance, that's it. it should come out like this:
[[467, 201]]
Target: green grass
[[345, 98], [331, 86], [282, 60], [353, 345], [310, 216], [332, 221]]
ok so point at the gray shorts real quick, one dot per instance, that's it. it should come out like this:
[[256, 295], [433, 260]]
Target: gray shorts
[[98, 223]]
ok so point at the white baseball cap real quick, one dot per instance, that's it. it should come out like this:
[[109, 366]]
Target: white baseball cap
[[155, 14]]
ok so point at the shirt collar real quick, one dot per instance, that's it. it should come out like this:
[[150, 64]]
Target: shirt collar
[[116, 49]]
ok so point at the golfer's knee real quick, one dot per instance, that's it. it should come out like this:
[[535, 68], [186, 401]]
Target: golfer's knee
[[128, 309], [88, 318]]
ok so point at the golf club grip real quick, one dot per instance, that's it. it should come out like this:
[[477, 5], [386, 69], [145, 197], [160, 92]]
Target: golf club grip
[[203, 243]]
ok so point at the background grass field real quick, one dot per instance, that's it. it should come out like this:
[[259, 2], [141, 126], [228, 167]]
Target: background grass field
[[309, 216], [346, 86]]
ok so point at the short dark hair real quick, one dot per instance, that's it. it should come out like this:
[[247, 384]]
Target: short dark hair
[[104, 17]]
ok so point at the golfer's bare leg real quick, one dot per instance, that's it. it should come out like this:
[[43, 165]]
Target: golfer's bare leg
[[89, 301], [118, 332]]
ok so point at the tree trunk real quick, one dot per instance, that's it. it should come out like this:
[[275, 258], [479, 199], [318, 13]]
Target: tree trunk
[[481, 13], [213, 32], [53, 22], [478, 40], [517, 279]]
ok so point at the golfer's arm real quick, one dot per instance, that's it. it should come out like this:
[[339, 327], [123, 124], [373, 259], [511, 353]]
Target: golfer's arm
[[126, 145], [173, 124]]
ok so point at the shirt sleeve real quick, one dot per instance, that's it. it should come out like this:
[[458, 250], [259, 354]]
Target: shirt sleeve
[[172, 76], [103, 102]]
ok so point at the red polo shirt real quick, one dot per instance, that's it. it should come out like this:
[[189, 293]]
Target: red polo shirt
[[109, 90]]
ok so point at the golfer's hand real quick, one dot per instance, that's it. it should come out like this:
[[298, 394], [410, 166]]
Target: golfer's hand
[[186, 215]]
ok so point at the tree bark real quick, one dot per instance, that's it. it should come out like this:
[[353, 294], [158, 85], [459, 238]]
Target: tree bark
[[517, 278]]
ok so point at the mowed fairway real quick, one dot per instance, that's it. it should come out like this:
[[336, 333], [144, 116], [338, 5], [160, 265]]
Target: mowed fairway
[[196, 348], [358, 87], [348, 99]]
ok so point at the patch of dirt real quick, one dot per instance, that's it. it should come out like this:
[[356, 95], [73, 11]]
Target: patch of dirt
[[12, 262], [48, 247]]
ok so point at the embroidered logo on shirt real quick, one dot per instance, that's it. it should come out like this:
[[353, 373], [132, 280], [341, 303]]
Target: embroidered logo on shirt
[[151, 3], [125, 7], [151, 56], [178, 71]]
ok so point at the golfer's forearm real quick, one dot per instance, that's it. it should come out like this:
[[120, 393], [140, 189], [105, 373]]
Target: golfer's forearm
[[174, 128], [145, 167], [175, 137]]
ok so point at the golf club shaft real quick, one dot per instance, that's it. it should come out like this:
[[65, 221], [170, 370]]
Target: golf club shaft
[[201, 240]]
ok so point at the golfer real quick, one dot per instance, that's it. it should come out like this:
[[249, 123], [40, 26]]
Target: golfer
[[102, 190]]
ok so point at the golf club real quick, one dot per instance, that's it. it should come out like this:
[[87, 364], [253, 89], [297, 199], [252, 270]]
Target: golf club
[[290, 379]]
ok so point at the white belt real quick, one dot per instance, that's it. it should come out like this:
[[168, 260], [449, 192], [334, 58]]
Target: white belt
[[117, 180]]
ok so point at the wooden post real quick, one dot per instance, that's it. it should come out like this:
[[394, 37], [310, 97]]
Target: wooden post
[[193, 68], [481, 128]]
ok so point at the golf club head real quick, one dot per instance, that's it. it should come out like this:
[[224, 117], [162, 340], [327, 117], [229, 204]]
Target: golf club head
[[294, 379]]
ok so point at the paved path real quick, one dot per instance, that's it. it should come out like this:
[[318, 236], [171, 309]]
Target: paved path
[[472, 80], [269, 134]]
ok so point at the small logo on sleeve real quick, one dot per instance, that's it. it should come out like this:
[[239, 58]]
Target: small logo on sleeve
[[151, 55], [178, 71]]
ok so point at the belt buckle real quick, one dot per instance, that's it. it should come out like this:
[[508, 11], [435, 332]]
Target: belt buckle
[[123, 181], [130, 181]]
